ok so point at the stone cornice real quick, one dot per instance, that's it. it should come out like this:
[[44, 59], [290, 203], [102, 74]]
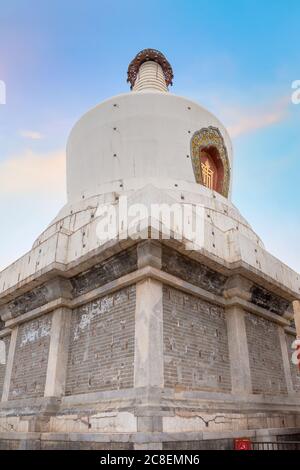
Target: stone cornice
[[137, 276], [104, 252]]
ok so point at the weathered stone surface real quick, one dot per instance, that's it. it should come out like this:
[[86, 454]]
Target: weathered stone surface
[[14, 444], [30, 444], [28, 301], [100, 274], [195, 343], [113, 268], [238, 350], [38, 296], [268, 300], [148, 359], [191, 271], [266, 364], [69, 445], [101, 352], [149, 254], [58, 353], [238, 286], [31, 359]]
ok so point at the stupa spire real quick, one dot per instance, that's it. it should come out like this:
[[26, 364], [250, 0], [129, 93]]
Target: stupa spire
[[150, 70]]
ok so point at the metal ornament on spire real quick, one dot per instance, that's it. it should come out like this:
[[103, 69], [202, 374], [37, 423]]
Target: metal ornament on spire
[[147, 55]]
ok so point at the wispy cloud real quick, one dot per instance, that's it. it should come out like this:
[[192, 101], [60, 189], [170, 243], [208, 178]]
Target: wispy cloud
[[30, 173], [243, 121], [33, 135]]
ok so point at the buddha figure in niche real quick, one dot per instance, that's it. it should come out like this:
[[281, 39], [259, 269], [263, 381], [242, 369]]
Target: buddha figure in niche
[[211, 168]]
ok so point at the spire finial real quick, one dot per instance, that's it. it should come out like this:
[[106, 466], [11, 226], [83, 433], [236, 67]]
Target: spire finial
[[150, 55]]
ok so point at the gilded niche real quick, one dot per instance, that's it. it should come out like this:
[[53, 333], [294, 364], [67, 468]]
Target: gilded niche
[[210, 160]]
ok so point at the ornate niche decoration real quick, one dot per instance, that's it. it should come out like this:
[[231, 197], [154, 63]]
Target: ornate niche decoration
[[210, 160]]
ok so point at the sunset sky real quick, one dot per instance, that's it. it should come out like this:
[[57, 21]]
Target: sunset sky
[[238, 58]]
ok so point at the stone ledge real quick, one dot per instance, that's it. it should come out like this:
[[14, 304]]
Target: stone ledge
[[166, 400], [136, 276], [143, 438], [99, 254], [290, 330], [28, 404], [5, 332]]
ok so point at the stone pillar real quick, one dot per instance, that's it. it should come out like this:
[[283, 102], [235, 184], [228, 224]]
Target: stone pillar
[[149, 254], [58, 353], [148, 360], [10, 363], [238, 288], [238, 350], [285, 360]]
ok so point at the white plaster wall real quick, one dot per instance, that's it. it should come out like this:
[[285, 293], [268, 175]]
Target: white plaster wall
[[222, 213], [150, 134]]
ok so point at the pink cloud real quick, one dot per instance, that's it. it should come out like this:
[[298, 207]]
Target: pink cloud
[[242, 121], [31, 172], [33, 135]]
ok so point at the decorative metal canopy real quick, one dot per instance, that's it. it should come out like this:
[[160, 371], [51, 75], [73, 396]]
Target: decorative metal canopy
[[144, 56]]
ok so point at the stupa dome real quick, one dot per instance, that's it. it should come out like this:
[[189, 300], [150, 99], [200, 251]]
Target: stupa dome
[[144, 134], [149, 136]]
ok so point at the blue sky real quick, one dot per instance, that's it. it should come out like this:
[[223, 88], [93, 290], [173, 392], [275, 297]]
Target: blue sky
[[238, 58]]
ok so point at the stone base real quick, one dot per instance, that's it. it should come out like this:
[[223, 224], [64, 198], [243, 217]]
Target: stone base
[[140, 441], [147, 349], [145, 419]]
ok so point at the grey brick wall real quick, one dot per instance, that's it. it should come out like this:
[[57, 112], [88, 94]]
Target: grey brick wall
[[101, 353], [294, 369], [265, 357], [195, 343], [6, 341], [31, 359]]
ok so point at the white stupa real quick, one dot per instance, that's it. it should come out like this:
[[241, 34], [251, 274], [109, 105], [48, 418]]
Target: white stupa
[[143, 343]]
